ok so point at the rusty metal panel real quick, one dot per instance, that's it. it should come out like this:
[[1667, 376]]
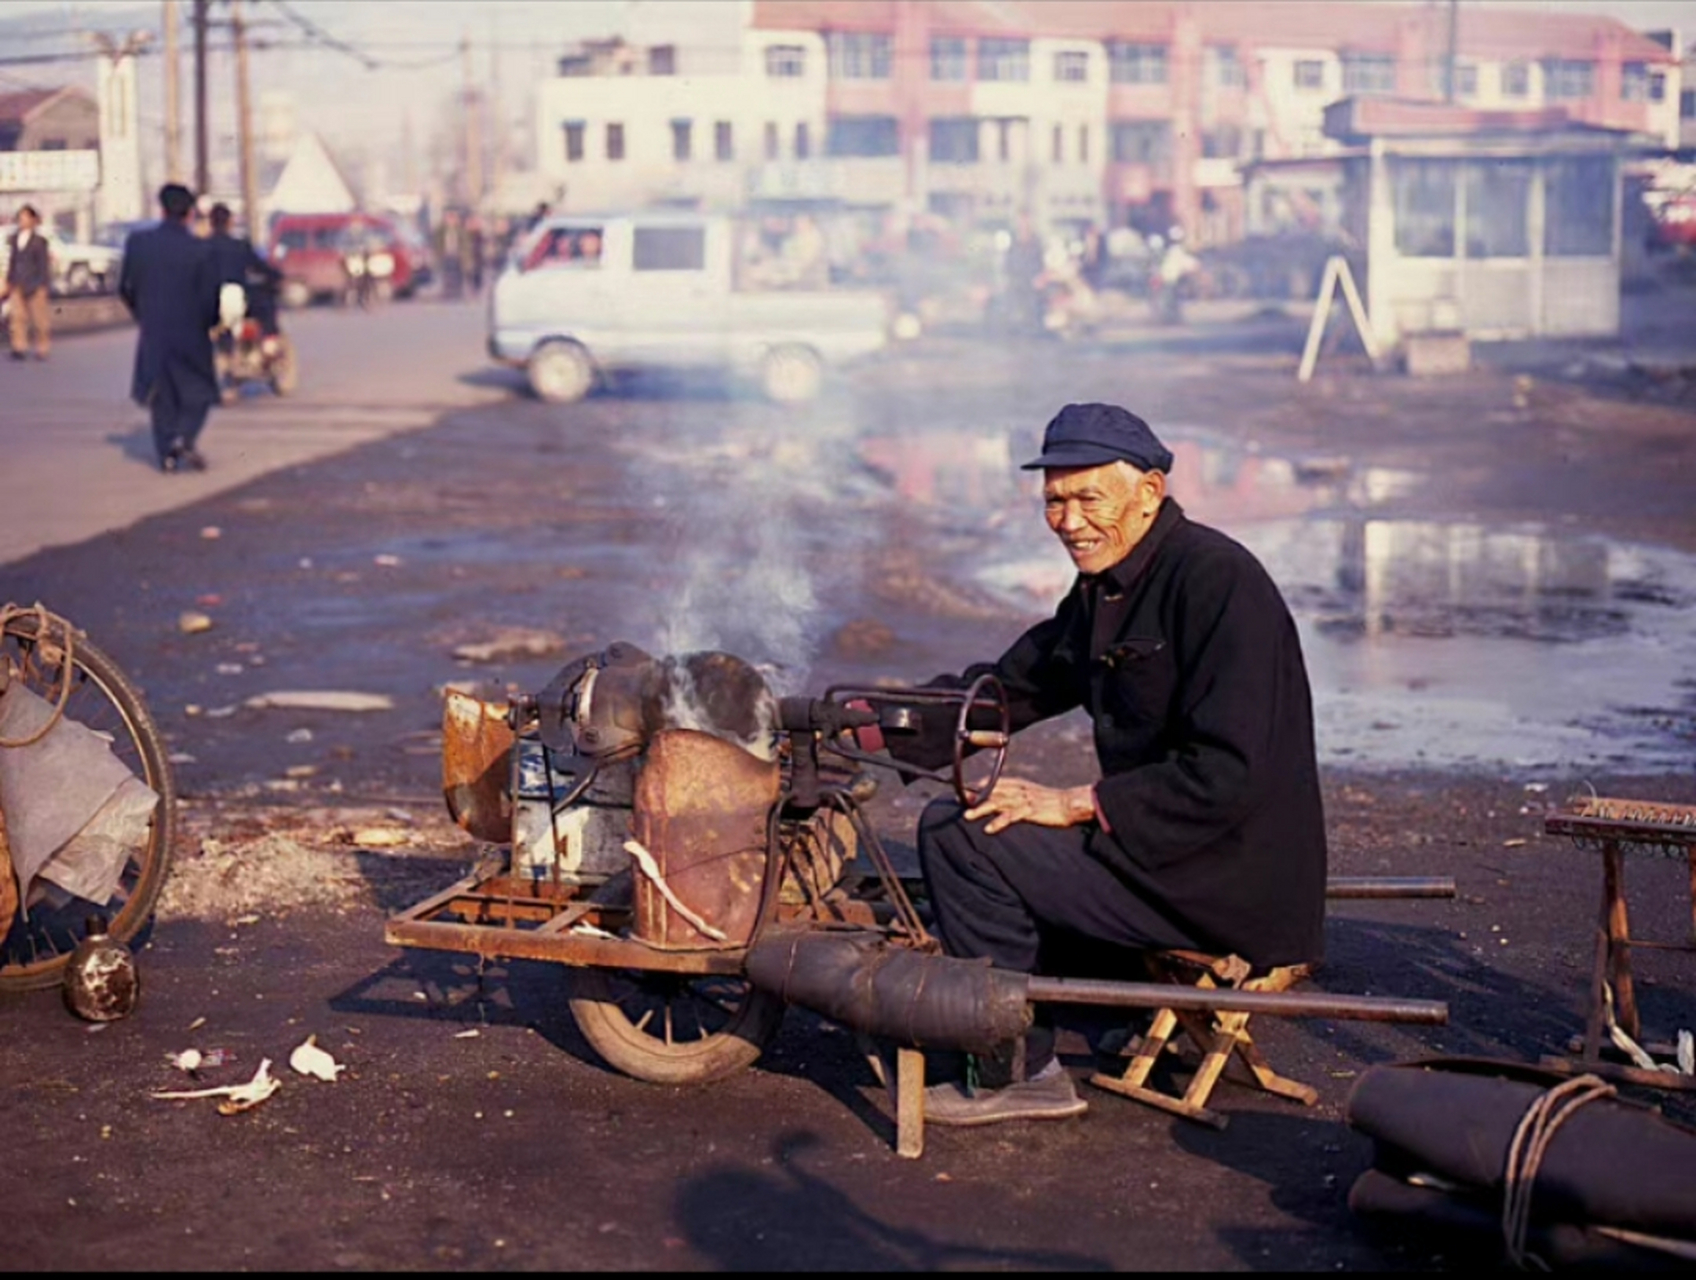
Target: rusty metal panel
[[702, 811], [477, 747], [818, 852]]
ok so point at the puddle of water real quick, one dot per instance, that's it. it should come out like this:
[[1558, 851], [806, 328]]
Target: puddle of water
[[1438, 643]]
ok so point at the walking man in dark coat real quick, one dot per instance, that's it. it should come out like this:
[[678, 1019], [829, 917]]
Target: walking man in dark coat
[[29, 273], [170, 284], [1205, 830]]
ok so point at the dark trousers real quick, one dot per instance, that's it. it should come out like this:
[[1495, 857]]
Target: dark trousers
[[176, 425], [1018, 896]]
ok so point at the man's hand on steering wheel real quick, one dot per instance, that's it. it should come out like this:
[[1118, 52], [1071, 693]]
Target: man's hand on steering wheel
[[1019, 800]]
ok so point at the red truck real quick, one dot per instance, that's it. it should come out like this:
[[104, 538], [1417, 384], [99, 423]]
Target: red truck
[[313, 251]]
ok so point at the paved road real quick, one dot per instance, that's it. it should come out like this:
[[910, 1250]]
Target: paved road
[[78, 458]]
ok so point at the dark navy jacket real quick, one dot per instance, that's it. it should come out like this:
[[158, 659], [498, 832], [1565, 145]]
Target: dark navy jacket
[[29, 268], [1188, 662], [170, 284]]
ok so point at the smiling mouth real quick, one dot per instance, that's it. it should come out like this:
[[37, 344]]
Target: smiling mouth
[[1084, 548]]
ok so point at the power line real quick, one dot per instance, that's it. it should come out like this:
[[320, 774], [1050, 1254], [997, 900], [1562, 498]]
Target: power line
[[317, 33]]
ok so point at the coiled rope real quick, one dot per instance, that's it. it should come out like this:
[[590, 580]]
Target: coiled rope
[[44, 623], [1537, 1129]]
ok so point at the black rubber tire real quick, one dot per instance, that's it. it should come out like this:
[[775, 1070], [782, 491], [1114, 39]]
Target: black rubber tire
[[791, 374], [596, 1004], [105, 679], [285, 373]]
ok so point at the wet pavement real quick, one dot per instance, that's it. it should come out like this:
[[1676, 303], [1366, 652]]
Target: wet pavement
[[1486, 633]]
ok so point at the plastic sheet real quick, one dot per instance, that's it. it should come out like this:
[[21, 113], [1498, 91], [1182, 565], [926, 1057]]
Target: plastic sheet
[[74, 811]]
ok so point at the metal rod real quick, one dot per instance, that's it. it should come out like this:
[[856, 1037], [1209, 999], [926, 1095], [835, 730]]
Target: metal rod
[[1162, 995], [1360, 887], [202, 149]]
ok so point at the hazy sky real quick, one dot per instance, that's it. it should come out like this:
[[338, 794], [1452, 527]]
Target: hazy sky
[[514, 42]]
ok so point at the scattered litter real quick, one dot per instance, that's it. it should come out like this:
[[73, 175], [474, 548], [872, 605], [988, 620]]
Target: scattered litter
[[301, 770], [322, 700], [306, 562], [192, 622], [1537, 788], [220, 713], [237, 1097], [310, 1060], [180, 757], [512, 642], [388, 561], [1512, 844], [230, 668], [380, 837], [211, 532], [298, 736], [188, 1060], [197, 1024], [467, 1035], [192, 709], [247, 919], [210, 600]]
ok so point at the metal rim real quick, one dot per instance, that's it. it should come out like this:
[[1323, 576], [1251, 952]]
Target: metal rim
[[792, 375], [672, 1028], [36, 946], [560, 372]]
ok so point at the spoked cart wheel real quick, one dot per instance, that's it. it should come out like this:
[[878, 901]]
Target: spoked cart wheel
[[673, 1028], [36, 944]]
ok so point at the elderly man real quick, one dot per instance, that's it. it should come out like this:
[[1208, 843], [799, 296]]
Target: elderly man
[[1205, 830], [170, 284], [29, 273]]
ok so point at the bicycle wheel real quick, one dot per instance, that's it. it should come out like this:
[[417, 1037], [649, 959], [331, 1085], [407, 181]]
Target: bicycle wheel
[[37, 946]]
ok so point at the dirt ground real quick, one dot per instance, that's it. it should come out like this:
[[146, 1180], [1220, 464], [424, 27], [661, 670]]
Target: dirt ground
[[473, 1127]]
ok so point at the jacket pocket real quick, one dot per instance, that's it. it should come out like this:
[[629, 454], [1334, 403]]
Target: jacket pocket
[[1138, 677]]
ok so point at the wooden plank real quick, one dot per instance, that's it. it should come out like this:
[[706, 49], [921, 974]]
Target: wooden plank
[[909, 1103]]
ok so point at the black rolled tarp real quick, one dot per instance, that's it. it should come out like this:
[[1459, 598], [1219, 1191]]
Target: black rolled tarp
[[1442, 1132]]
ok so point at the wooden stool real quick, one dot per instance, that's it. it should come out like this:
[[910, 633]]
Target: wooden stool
[[1222, 1038]]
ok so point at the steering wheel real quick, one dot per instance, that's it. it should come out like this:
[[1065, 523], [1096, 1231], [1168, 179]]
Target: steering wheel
[[992, 740]]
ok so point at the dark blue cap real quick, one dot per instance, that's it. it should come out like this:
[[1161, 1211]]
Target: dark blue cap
[[1091, 435]]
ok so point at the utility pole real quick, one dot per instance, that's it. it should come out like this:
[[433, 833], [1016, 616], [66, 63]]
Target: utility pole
[[202, 148], [244, 126], [473, 175], [173, 96], [497, 115], [1453, 50]]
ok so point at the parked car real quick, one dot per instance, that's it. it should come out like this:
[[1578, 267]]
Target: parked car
[[312, 251], [77, 268], [583, 297]]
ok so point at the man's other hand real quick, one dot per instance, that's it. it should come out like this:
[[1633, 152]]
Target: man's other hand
[[1017, 800]]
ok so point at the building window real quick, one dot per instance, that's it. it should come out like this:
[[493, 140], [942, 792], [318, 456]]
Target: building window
[[1083, 144], [53, 144], [771, 141], [682, 139], [1687, 104], [862, 136], [1634, 82], [1657, 86], [1368, 73], [1221, 142], [724, 146], [1516, 79], [1309, 73], [615, 142], [947, 58], [858, 55], [786, 61], [1136, 63], [954, 140], [803, 140], [1578, 207], [1004, 140], [1466, 80], [1059, 144], [1498, 201], [1568, 78], [1424, 192], [662, 60], [1000, 59], [574, 130], [1071, 65], [1141, 142], [668, 249], [1228, 70]]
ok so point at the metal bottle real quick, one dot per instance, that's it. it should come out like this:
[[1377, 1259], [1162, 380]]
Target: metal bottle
[[101, 982]]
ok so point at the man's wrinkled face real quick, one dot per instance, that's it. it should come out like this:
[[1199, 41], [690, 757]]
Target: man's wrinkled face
[[1101, 513]]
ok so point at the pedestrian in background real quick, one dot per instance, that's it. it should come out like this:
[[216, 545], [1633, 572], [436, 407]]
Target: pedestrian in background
[[28, 275], [170, 284], [450, 249], [474, 249]]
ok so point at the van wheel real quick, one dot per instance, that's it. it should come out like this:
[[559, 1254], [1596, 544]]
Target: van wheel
[[791, 375], [295, 294], [560, 372]]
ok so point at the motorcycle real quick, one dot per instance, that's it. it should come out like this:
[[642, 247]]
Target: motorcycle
[[245, 349], [370, 270]]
